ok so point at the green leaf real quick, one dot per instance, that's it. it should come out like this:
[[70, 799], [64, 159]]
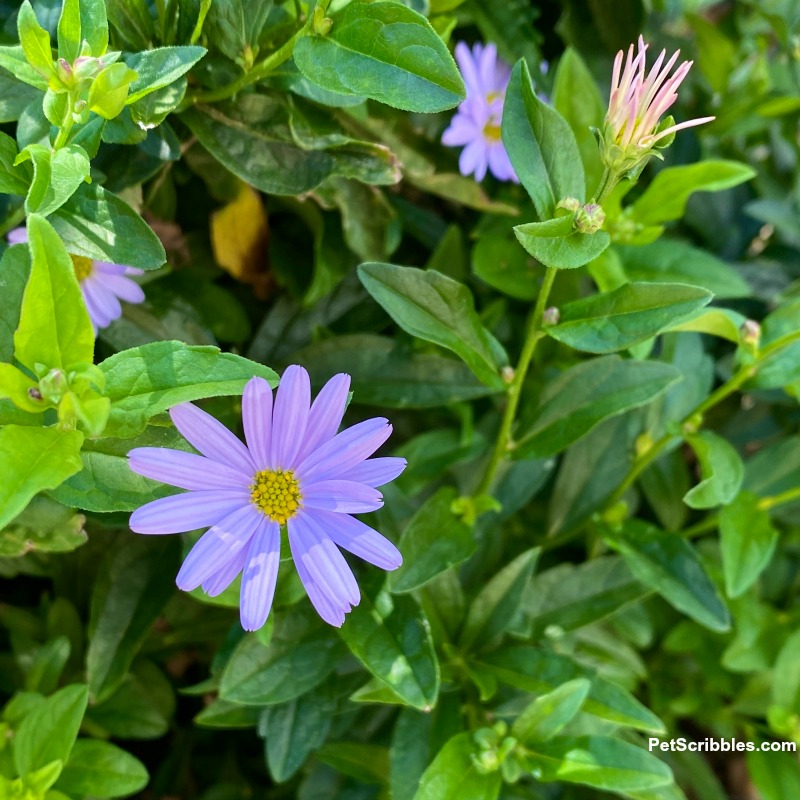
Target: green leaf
[[132, 23], [15, 267], [82, 20], [32, 460], [54, 326], [301, 654], [675, 261], [775, 775], [665, 198], [539, 671], [56, 176], [387, 374], [633, 313], [35, 40], [109, 91], [426, 552], [541, 146], [669, 565], [436, 308], [12, 180], [786, 675], [572, 596], [234, 27], [107, 483], [101, 769], [585, 395], [12, 59], [748, 540], [367, 763], [160, 67], [48, 733], [498, 260], [721, 468], [392, 639], [134, 585], [577, 98], [144, 381], [598, 761], [97, 224], [556, 243], [384, 51], [493, 610], [452, 775], [47, 665], [548, 714], [721, 322], [252, 139], [294, 730], [221, 714]]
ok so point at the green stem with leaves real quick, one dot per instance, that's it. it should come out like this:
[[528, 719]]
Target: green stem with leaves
[[66, 125], [533, 334], [257, 73]]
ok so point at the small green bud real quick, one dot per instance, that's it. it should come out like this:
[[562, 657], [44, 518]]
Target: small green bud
[[750, 334], [571, 204], [53, 385], [551, 316], [590, 218]]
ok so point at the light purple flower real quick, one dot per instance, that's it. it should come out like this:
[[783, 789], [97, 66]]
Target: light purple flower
[[295, 471], [103, 284], [476, 124]]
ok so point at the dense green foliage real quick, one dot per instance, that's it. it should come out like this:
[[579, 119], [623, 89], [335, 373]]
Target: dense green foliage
[[599, 519]]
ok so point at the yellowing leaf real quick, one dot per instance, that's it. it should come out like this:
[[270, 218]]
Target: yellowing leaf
[[239, 235]]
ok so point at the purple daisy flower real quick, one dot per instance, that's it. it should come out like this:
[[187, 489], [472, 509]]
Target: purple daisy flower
[[103, 284], [295, 471], [476, 124]]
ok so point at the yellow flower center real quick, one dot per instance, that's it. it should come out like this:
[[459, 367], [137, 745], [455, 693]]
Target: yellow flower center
[[277, 494], [491, 132], [83, 267]]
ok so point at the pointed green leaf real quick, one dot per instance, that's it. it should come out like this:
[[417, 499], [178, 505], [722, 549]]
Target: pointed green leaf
[[585, 395], [665, 198], [721, 468], [748, 540], [384, 51], [452, 775], [144, 381], [548, 714], [559, 245], [537, 670], [633, 313], [436, 308], [56, 176], [35, 40], [54, 326], [426, 552], [600, 762], [300, 655], [160, 67], [669, 565], [541, 146], [496, 605], [101, 769], [48, 733], [32, 460], [392, 639], [82, 20]]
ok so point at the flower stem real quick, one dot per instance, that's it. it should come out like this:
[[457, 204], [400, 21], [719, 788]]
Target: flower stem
[[257, 73], [66, 126], [533, 335]]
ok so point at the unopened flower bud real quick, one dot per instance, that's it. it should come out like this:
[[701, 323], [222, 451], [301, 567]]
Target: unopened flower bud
[[569, 204], [34, 393], [87, 67], [750, 331], [551, 316], [53, 385], [64, 69], [590, 218], [507, 374]]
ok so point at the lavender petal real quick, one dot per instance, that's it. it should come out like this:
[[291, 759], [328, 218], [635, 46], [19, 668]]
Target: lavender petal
[[211, 437], [257, 420], [186, 470], [345, 497], [217, 546], [326, 414], [375, 471], [358, 539], [186, 512], [290, 417], [222, 579], [260, 575]]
